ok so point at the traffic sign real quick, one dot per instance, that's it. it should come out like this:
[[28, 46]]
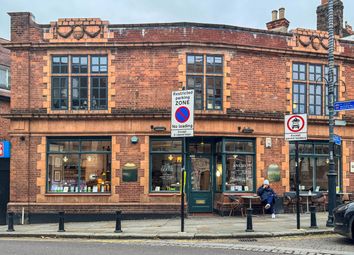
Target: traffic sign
[[344, 105], [4, 149], [340, 123], [337, 139], [182, 115], [295, 127]]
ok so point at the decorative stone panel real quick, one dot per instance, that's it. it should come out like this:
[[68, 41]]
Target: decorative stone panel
[[78, 29]]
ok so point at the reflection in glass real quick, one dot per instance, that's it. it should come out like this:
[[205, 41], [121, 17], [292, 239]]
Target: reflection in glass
[[70, 170], [239, 172], [166, 172], [200, 174]]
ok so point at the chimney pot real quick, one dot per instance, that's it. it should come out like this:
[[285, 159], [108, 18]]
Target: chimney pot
[[274, 15], [323, 2], [281, 13]]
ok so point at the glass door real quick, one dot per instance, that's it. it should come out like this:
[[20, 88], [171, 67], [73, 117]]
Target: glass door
[[200, 199]]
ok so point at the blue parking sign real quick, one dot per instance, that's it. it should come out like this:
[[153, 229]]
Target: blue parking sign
[[4, 149]]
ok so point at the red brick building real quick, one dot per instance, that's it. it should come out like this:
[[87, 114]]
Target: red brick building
[[4, 128], [91, 101]]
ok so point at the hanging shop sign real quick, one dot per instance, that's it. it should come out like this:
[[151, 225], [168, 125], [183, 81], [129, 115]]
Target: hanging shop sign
[[182, 113]]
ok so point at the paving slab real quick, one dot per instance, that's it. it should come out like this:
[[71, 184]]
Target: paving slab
[[196, 227]]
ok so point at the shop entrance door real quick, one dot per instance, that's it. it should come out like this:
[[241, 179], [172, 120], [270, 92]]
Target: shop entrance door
[[4, 188], [200, 180]]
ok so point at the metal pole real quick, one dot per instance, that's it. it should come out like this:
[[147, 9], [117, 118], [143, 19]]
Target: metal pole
[[249, 226], [118, 222], [10, 219], [297, 184], [332, 173], [182, 183], [61, 222]]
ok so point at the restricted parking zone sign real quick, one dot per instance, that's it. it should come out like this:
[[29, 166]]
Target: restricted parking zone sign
[[182, 113], [296, 127]]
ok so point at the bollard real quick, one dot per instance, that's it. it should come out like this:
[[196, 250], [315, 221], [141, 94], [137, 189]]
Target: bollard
[[118, 222], [61, 222], [313, 217], [10, 226], [249, 220]]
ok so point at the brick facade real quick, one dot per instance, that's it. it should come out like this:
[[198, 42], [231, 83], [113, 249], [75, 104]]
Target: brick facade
[[4, 94], [146, 63]]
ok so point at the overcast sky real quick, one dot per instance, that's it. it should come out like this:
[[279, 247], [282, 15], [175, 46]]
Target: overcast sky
[[245, 13]]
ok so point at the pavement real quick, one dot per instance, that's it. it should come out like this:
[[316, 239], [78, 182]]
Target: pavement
[[196, 227]]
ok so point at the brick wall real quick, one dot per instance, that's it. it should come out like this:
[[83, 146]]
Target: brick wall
[[4, 123], [129, 153]]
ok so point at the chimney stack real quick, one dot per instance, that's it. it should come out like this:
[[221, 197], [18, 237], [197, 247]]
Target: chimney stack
[[322, 12], [280, 24]]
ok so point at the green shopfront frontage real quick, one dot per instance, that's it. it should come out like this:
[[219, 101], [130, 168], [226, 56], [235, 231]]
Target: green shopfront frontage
[[214, 165]]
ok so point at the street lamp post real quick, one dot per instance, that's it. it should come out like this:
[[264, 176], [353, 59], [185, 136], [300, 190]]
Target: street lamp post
[[331, 173]]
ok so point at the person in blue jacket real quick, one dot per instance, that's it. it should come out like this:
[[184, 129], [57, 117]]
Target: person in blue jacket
[[267, 196]]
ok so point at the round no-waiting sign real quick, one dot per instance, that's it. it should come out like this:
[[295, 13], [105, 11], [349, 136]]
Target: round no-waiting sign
[[182, 114]]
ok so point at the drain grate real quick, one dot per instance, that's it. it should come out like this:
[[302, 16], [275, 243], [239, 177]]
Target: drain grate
[[248, 240]]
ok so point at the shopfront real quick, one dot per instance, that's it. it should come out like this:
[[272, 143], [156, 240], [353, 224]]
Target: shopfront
[[215, 165], [4, 179], [314, 165]]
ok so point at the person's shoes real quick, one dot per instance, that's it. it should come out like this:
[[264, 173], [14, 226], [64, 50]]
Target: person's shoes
[[267, 206], [273, 215]]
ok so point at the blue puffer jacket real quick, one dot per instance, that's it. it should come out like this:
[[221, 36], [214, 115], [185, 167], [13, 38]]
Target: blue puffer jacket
[[264, 193]]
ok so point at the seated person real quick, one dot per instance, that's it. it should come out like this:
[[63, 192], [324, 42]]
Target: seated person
[[267, 196]]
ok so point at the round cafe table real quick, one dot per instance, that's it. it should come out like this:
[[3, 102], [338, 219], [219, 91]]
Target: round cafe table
[[307, 195], [250, 199]]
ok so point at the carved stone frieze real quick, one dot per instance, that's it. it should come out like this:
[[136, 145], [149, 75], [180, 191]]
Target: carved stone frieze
[[77, 29], [311, 40]]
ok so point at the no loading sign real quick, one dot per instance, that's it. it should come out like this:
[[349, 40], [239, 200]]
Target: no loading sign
[[296, 127]]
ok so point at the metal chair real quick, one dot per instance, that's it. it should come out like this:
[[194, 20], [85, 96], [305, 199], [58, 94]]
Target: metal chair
[[236, 203], [320, 200], [290, 201]]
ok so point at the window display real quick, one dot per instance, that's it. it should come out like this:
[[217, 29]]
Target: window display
[[166, 165], [80, 165]]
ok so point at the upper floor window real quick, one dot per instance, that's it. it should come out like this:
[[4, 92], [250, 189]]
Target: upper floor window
[[85, 77], [4, 77], [205, 76], [310, 90], [60, 64]]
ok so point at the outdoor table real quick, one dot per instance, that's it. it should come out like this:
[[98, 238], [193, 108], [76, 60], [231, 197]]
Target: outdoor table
[[307, 195], [250, 199]]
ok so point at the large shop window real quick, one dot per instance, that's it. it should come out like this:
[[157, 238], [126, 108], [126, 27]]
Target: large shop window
[[314, 165], [79, 165], [239, 165], [165, 164], [88, 86], [205, 76], [235, 166], [310, 90]]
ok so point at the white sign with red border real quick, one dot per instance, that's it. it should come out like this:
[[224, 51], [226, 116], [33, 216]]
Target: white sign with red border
[[182, 113], [296, 127]]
